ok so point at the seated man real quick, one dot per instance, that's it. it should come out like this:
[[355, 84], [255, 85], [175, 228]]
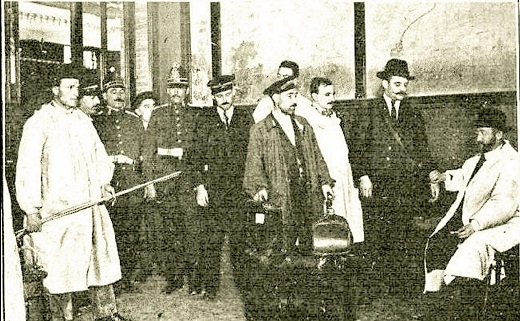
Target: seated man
[[484, 217]]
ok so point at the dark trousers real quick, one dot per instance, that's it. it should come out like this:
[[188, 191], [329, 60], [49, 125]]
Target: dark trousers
[[180, 229], [393, 244], [443, 244], [125, 218], [224, 216]]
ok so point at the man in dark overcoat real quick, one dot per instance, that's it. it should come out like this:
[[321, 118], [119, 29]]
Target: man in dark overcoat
[[285, 167], [391, 165]]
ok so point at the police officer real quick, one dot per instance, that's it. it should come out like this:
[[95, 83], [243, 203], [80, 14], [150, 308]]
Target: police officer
[[169, 147], [122, 133]]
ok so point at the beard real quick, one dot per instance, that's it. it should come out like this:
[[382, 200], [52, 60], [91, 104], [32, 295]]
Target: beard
[[487, 147]]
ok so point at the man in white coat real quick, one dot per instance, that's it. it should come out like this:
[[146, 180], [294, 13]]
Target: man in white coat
[[287, 69], [333, 146], [62, 163], [484, 217]]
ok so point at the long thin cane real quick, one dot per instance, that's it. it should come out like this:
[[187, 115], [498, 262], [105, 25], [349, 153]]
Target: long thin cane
[[77, 208]]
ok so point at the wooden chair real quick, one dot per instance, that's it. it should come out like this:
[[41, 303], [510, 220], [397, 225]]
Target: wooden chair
[[502, 297]]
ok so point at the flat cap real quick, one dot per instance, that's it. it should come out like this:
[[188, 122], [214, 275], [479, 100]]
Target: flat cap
[[221, 83], [280, 86]]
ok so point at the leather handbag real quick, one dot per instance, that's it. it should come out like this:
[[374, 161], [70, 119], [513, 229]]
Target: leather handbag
[[331, 233]]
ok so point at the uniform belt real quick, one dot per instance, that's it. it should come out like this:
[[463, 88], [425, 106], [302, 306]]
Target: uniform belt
[[122, 160], [172, 152]]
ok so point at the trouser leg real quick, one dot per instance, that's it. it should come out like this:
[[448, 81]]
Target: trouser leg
[[193, 243], [61, 306], [103, 301], [211, 252], [175, 241]]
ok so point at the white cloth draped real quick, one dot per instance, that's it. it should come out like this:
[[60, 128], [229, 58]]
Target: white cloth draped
[[62, 163], [334, 149]]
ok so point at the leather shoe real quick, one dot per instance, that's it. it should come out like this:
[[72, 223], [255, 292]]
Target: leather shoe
[[210, 296], [172, 287], [114, 317]]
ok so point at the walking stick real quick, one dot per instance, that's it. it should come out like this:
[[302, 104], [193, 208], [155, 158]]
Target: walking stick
[[77, 208]]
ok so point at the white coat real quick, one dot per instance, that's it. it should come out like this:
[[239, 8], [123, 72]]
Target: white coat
[[13, 296], [62, 163], [491, 203], [334, 149]]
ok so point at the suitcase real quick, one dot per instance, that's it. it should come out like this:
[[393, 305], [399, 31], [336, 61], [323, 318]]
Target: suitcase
[[284, 285]]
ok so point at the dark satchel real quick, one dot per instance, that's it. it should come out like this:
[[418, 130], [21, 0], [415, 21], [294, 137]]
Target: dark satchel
[[331, 234]]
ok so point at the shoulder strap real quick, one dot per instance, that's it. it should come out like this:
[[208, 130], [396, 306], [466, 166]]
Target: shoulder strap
[[398, 139]]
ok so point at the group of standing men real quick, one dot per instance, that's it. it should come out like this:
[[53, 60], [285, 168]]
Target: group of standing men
[[291, 152]]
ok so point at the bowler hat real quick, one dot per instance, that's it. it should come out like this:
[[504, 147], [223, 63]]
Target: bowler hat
[[178, 77], [221, 83], [395, 67], [493, 118], [280, 86]]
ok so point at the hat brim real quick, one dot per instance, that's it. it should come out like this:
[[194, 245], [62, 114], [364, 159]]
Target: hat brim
[[177, 85], [384, 75]]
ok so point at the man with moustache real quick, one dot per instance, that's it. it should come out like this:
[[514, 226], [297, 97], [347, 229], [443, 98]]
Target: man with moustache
[[285, 167], [122, 133], [169, 147], [89, 101], [222, 147], [287, 69], [391, 165], [329, 130], [63, 163], [484, 217]]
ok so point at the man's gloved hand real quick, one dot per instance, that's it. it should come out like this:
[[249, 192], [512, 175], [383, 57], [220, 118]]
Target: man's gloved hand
[[365, 186], [149, 192], [261, 196], [107, 190], [202, 196], [34, 222]]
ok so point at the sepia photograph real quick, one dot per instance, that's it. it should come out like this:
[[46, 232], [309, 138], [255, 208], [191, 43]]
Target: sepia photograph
[[260, 160]]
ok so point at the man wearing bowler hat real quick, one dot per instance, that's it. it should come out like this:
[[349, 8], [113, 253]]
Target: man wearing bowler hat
[[484, 217], [223, 135], [391, 165], [169, 147]]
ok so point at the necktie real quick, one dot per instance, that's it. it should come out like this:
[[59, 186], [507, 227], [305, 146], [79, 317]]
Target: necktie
[[226, 118], [456, 221], [327, 112], [481, 161], [393, 112]]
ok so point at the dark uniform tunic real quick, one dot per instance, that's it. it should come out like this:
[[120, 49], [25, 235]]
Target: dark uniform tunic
[[122, 133], [169, 147], [221, 158]]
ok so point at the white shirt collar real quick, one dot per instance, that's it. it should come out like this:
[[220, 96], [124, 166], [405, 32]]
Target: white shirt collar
[[229, 113], [495, 153], [285, 122], [388, 101]]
